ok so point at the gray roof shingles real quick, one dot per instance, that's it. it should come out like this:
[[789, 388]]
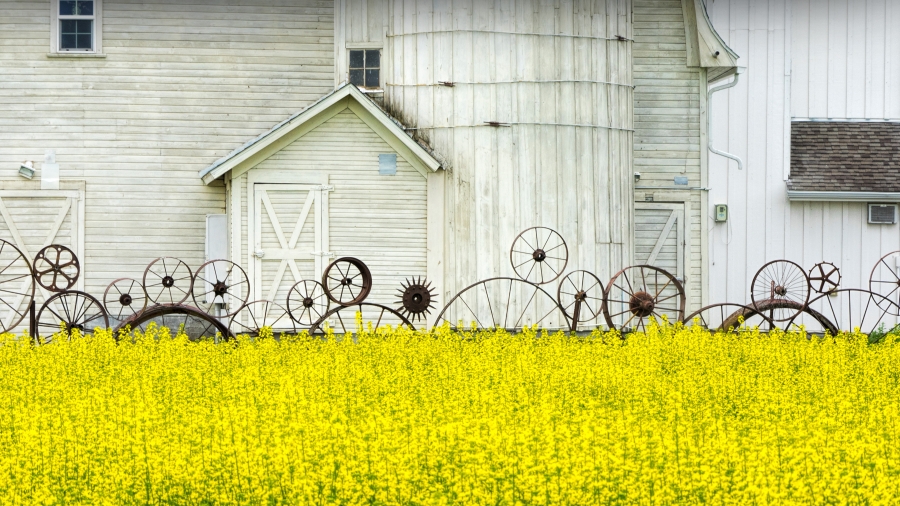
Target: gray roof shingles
[[845, 156]]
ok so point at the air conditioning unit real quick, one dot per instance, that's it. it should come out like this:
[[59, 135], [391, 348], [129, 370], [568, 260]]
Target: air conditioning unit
[[883, 214]]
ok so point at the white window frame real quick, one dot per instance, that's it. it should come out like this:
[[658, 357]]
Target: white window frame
[[96, 33]]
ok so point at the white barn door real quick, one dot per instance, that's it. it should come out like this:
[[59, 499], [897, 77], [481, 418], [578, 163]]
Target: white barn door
[[659, 236], [289, 237]]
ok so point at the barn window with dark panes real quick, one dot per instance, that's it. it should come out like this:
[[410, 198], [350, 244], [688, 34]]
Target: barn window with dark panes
[[76, 25], [365, 68]]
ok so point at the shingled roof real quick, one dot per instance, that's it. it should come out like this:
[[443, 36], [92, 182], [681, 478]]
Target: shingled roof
[[845, 156]]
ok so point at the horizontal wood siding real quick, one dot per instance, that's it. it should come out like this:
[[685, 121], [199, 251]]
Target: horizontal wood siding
[[183, 83]]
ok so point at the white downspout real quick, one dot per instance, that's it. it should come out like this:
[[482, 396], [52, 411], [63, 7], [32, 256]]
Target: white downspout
[[709, 130]]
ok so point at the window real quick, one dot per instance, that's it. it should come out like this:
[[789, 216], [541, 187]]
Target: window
[[365, 68], [76, 26]]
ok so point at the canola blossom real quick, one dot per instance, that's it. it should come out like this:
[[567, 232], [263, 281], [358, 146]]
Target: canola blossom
[[673, 415]]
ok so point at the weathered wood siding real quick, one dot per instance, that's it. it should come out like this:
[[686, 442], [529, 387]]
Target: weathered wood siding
[[804, 59], [667, 109], [562, 89], [181, 85]]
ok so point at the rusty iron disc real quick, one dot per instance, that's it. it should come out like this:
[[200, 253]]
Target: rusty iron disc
[[195, 323], [344, 318], [824, 277], [56, 268], [347, 281], [220, 283], [780, 280], [67, 311], [539, 255], [584, 290], [307, 302], [16, 286], [168, 280], [124, 298], [258, 314], [640, 292], [416, 299]]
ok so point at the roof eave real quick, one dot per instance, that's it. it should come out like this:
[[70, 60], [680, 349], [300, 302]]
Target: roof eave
[[842, 196]]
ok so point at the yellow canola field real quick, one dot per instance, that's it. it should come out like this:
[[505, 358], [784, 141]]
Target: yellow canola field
[[671, 416]]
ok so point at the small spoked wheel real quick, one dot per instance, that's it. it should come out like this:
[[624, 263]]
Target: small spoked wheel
[[307, 302], [580, 294], [124, 298], [347, 281], [222, 283], [885, 281], [260, 314], [640, 292], [68, 311], [780, 281], [56, 268], [167, 280], [824, 277], [539, 255]]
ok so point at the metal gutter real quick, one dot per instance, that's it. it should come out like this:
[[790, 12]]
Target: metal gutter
[[842, 196]]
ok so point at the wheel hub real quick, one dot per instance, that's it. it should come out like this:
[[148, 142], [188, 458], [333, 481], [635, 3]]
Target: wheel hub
[[307, 302], [346, 282], [220, 288], [539, 255], [780, 291], [168, 281], [581, 296], [641, 304], [125, 299]]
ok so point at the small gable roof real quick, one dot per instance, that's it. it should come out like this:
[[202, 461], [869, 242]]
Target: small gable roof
[[347, 96]]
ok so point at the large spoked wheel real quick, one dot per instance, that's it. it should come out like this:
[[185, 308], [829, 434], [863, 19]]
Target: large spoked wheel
[[260, 314], [726, 317], [347, 281], [16, 286], [885, 281], [640, 292], [780, 281], [503, 303], [307, 302], [191, 321], [124, 298], [539, 255], [220, 283], [846, 310], [167, 280], [374, 317], [56, 268], [69, 311], [580, 294]]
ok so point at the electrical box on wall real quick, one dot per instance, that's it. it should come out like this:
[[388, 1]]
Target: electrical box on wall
[[721, 213]]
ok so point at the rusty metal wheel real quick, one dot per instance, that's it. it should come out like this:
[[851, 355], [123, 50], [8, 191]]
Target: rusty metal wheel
[[539, 255], [347, 281], [16, 286], [124, 298], [220, 283], [259, 314], [824, 277], [885, 281], [727, 316], [580, 294], [846, 310], [307, 302], [637, 293], [416, 299], [193, 322], [780, 280], [56, 268], [68, 311], [167, 280], [503, 303], [374, 315]]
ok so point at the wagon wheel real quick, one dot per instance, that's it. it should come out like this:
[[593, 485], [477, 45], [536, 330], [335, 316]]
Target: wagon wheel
[[885, 281], [636, 293], [220, 282], [74, 309], [416, 299], [539, 255], [124, 298], [193, 322], [56, 268], [307, 302], [580, 294], [824, 277], [503, 303], [347, 281], [780, 280], [727, 316], [16, 286], [847, 310], [259, 314], [167, 280], [376, 315]]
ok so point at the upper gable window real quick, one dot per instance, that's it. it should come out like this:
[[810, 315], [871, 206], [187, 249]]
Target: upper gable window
[[365, 68], [76, 26]]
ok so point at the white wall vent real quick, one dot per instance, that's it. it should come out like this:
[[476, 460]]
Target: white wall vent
[[883, 214]]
